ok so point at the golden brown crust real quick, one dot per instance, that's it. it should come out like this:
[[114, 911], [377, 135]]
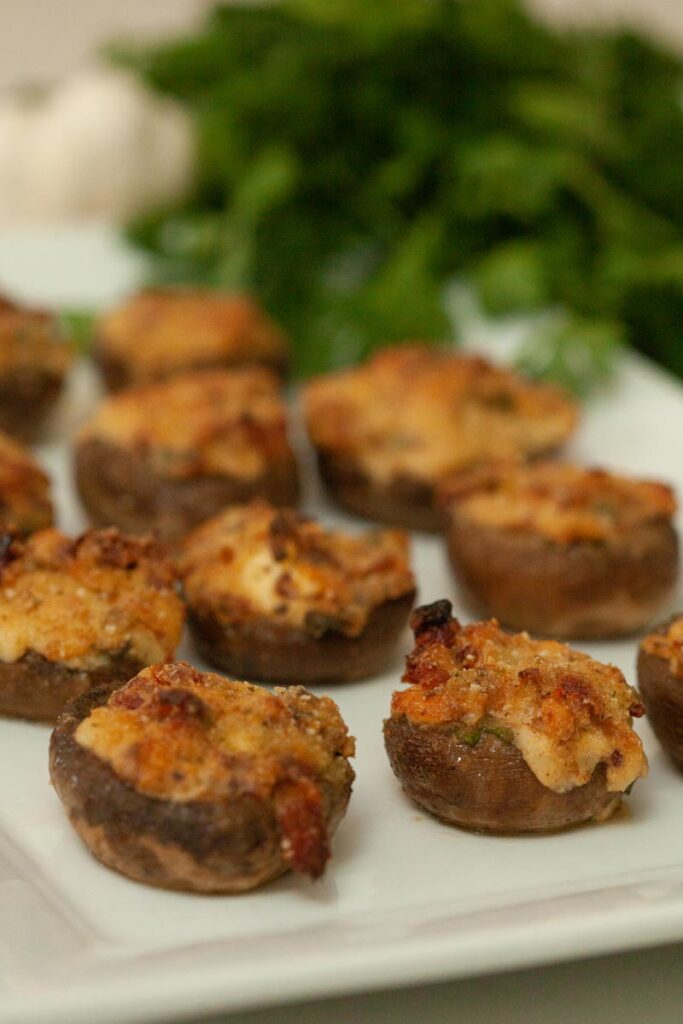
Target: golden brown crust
[[255, 561], [25, 504], [33, 363], [563, 551], [186, 780], [273, 596], [564, 711], [168, 456], [414, 413], [79, 602], [212, 422], [159, 333], [660, 682], [562, 502]]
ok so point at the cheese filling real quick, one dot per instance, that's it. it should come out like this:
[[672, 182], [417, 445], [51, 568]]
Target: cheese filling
[[253, 561]]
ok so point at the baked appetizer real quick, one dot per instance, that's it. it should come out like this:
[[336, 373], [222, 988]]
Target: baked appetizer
[[25, 503], [159, 333], [78, 614], [33, 363], [186, 780], [562, 550], [660, 682], [388, 431], [501, 733], [274, 596], [167, 456]]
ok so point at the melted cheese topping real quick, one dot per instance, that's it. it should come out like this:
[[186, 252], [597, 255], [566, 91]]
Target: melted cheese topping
[[667, 643], [178, 734], [78, 602], [30, 342], [24, 490], [563, 502], [564, 711], [421, 412], [255, 561], [157, 333], [212, 422]]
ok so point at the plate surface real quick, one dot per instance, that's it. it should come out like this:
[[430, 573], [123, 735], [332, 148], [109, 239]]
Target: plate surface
[[405, 898]]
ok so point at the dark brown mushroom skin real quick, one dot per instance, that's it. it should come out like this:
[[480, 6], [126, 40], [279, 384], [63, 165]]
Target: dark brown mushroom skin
[[486, 786], [268, 651], [27, 396], [583, 589], [221, 846], [37, 689], [661, 690], [120, 487], [405, 501]]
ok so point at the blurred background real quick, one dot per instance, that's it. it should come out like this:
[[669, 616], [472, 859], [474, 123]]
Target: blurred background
[[372, 172]]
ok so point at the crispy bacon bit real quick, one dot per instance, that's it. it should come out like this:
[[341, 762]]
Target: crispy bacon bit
[[282, 533], [10, 549], [575, 690], [636, 710], [467, 656], [299, 810], [438, 613], [182, 703], [433, 621], [285, 585], [126, 698], [530, 675]]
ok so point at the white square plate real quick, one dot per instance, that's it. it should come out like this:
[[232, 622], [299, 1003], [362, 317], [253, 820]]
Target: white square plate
[[405, 898]]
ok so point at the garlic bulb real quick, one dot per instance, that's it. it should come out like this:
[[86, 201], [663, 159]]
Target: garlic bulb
[[98, 145]]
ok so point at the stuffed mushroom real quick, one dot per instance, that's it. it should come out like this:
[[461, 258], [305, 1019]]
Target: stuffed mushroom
[[165, 457], [388, 431], [562, 550], [186, 780], [660, 682], [80, 614], [159, 333], [34, 359], [501, 733], [274, 596], [25, 504]]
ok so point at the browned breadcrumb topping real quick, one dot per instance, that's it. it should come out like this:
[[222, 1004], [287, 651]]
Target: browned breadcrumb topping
[[419, 412], [667, 643], [156, 333], [563, 502], [24, 490], [30, 341], [228, 422], [179, 734], [564, 711], [253, 561], [79, 601]]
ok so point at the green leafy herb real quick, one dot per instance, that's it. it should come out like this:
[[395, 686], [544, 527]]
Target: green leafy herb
[[77, 327], [355, 158]]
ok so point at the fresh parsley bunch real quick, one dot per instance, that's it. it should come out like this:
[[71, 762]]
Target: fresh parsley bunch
[[357, 156]]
